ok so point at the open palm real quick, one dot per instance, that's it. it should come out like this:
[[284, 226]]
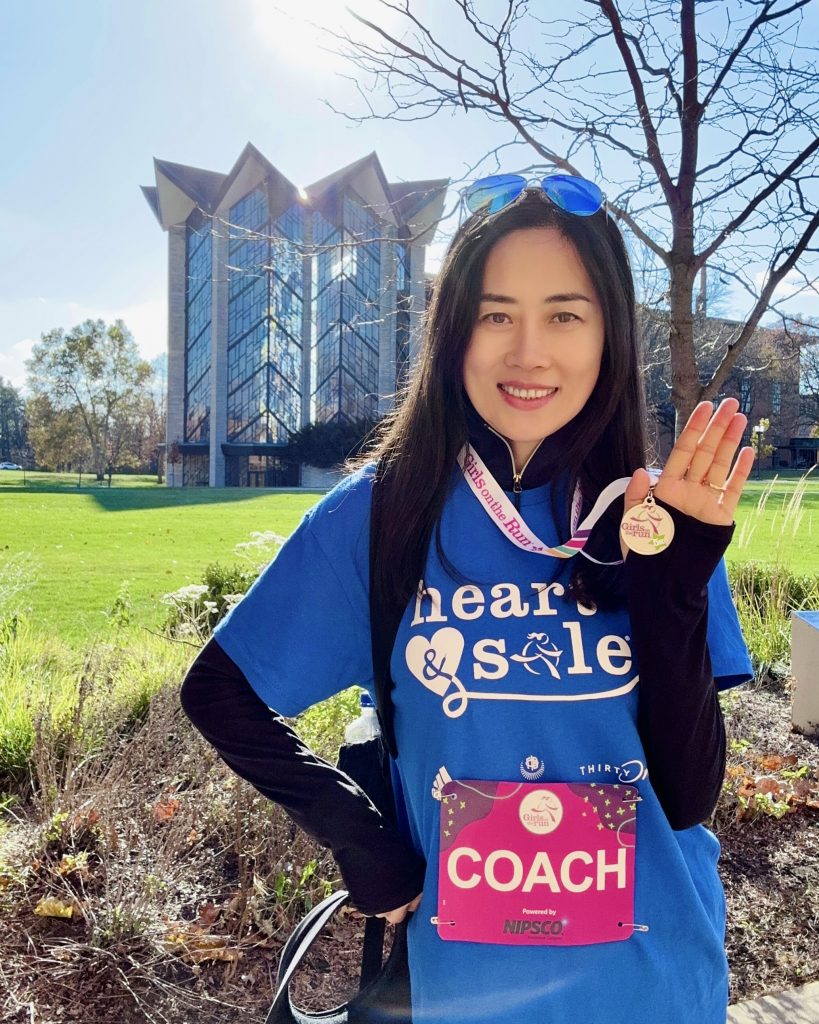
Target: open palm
[[698, 479]]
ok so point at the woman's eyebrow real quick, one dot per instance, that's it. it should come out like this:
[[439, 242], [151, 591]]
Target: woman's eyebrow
[[560, 297]]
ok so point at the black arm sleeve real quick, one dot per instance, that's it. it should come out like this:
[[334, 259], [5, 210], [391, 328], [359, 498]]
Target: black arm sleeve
[[679, 717], [379, 869]]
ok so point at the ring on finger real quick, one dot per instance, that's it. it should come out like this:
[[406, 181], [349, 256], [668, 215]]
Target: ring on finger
[[715, 487]]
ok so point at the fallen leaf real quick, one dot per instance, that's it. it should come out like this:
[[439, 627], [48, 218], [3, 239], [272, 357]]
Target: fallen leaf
[[166, 809], [73, 864], [195, 947], [86, 819], [769, 786], [48, 907], [208, 913]]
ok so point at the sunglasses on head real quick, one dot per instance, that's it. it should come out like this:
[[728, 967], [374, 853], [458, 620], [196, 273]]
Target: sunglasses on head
[[571, 194]]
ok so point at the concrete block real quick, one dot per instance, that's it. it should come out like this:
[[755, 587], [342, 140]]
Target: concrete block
[[805, 670], [798, 1006]]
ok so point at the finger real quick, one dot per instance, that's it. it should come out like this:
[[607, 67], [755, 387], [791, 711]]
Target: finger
[[685, 448], [711, 439], [637, 489], [720, 467], [394, 916], [398, 915], [737, 480]]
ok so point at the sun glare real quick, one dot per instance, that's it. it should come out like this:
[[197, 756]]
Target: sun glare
[[298, 31]]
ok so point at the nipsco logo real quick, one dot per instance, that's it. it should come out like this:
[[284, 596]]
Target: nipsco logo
[[540, 812]]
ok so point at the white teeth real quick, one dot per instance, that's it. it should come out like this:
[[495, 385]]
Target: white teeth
[[527, 392]]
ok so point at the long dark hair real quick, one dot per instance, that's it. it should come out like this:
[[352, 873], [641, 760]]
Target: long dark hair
[[421, 439]]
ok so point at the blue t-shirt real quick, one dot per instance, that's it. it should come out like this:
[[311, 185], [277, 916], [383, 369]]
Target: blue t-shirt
[[544, 687]]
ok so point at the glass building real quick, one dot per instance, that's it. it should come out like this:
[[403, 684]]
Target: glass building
[[286, 307]]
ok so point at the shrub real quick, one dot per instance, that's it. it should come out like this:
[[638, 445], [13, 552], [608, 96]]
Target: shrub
[[765, 595], [329, 444], [194, 610]]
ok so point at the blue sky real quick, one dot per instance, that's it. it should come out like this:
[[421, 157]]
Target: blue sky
[[92, 90]]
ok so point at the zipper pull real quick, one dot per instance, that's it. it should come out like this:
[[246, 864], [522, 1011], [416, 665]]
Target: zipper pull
[[516, 487]]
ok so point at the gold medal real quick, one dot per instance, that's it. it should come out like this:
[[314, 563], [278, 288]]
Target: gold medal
[[647, 529]]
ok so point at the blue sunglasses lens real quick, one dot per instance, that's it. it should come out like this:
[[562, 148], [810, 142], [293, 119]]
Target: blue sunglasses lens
[[574, 195], [491, 194]]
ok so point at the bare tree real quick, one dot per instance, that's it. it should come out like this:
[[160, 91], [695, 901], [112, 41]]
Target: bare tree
[[809, 382], [701, 118]]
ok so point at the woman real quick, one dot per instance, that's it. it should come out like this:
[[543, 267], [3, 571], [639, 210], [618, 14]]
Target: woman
[[551, 845]]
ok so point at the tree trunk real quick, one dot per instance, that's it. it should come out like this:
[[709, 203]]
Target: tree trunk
[[686, 389]]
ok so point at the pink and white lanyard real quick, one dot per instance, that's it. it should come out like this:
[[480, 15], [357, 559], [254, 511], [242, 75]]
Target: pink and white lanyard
[[511, 523]]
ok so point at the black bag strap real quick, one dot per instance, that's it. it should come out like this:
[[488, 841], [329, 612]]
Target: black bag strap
[[372, 954], [302, 938], [384, 623], [307, 932]]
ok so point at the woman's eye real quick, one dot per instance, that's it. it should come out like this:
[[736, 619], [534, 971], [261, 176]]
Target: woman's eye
[[495, 318], [565, 317]]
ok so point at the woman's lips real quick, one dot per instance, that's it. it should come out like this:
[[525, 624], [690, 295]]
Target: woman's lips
[[515, 395]]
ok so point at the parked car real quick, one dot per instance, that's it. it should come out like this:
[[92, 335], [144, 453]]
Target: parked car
[[9, 465]]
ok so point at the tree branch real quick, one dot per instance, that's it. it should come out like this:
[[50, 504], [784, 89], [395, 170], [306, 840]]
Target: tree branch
[[702, 258], [649, 130], [776, 276]]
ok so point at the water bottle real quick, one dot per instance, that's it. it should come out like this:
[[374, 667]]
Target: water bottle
[[365, 727], [364, 758]]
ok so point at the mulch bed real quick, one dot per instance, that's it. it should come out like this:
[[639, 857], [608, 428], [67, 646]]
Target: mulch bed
[[769, 866]]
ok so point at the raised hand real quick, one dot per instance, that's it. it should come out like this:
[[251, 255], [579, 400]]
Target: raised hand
[[698, 479]]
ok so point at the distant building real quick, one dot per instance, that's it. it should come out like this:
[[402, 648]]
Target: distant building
[[765, 381], [286, 306]]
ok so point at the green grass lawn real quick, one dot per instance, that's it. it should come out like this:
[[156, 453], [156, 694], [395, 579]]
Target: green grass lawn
[[80, 544], [777, 533]]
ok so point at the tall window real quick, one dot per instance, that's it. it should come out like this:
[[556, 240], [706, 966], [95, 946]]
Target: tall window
[[776, 398], [265, 293], [745, 395], [198, 293], [403, 303], [346, 302]]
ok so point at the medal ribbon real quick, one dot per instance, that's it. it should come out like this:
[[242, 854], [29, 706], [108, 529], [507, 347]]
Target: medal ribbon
[[511, 523]]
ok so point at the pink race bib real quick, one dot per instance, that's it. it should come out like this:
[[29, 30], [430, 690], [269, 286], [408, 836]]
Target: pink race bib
[[531, 863]]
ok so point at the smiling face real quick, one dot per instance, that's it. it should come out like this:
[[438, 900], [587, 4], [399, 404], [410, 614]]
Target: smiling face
[[535, 351]]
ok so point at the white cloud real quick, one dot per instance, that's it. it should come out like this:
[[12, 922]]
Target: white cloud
[[790, 285], [12, 361], [147, 321]]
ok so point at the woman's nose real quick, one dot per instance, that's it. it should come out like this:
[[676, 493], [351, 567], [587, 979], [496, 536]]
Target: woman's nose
[[529, 348]]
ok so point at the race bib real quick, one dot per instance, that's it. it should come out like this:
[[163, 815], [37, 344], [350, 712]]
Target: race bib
[[537, 863]]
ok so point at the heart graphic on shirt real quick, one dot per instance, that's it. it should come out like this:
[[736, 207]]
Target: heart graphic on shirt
[[435, 662]]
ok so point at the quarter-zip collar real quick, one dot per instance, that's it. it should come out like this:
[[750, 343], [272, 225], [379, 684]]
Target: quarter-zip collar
[[496, 452]]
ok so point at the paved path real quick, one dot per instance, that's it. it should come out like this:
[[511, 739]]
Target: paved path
[[798, 1006]]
